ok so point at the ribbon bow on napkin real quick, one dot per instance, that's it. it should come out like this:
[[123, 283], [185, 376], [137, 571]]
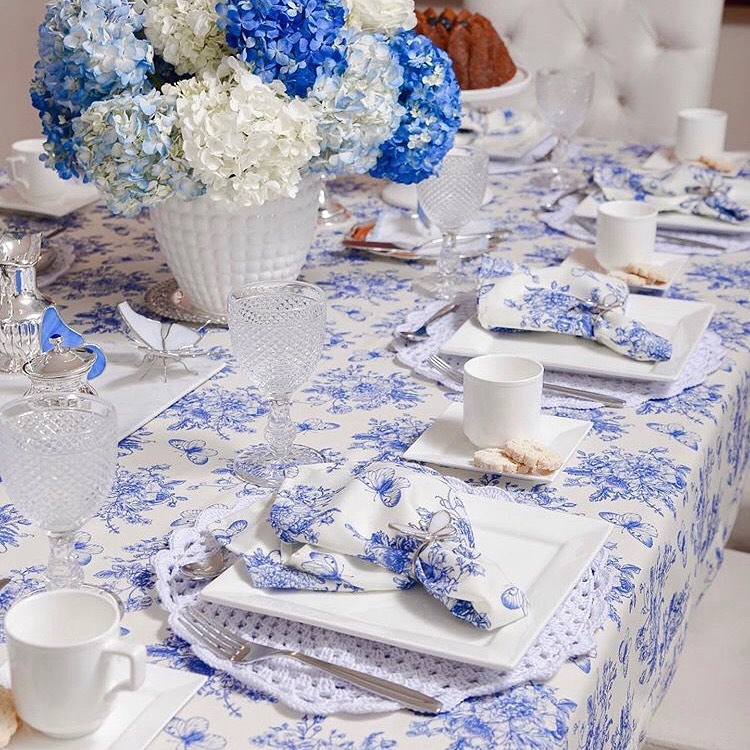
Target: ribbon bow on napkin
[[386, 527], [686, 189], [569, 300]]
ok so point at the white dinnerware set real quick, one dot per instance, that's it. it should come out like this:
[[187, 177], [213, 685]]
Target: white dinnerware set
[[36, 189]]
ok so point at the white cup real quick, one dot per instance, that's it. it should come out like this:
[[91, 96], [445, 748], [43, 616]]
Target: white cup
[[625, 233], [502, 399], [32, 179], [67, 660], [700, 132]]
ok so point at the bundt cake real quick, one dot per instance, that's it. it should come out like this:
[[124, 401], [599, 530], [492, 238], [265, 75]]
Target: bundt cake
[[480, 58]]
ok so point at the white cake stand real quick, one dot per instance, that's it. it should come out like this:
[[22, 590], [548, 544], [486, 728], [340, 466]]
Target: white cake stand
[[484, 101]]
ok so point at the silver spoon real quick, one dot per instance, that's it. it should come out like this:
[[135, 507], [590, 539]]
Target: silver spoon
[[207, 569], [418, 334], [551, 205]]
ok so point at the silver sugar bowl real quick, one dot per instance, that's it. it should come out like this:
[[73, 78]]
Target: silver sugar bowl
[[61, 368], [22, 305]]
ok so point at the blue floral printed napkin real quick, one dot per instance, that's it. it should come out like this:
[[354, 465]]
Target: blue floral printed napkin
[[686, 189], [385, 527], [565, 299]]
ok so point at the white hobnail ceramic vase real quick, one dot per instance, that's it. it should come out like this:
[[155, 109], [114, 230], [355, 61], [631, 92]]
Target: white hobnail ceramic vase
[[213, 247]]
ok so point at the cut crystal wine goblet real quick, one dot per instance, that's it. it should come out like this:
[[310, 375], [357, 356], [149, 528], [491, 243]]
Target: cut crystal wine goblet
[[58, 453], [277, 331], [449, 199], [564, 97]]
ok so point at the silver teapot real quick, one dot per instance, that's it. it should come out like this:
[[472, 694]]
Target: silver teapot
[[22, 305]]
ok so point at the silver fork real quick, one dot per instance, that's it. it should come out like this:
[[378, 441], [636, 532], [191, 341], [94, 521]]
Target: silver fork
[[445, 368], [227, 645]]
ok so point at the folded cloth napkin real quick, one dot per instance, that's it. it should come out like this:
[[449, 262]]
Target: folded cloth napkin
[[565, 299], [387, 526], [686, 188], [408, 232]]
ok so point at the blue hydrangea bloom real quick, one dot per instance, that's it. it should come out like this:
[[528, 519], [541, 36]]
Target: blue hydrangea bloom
[[432, 100], [88, 50], [131, 148], [289, 40]]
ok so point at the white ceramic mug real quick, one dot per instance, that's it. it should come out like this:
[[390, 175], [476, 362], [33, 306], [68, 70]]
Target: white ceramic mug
[[502, 399], [32, 179], [700, 132], [625, 233], [67, 660]]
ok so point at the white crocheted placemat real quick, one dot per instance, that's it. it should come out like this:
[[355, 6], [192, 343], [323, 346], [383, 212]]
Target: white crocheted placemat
[[706, 358], [569, 634]]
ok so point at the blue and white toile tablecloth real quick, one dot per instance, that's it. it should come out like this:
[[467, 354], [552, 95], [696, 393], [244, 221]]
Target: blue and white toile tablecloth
[[666, 475]]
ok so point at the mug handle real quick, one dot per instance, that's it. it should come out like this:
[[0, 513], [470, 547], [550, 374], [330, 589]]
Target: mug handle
[[12, 161], [135, 653]]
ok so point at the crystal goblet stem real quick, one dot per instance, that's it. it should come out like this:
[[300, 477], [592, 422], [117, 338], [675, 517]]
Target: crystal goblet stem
[[63, 568]]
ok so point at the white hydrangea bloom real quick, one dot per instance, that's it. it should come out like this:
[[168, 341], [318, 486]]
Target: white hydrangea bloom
[[359, 110], [184, 32], [247, 141], [388, 16]]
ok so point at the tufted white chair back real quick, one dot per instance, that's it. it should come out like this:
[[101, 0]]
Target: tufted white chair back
[[651, 57]]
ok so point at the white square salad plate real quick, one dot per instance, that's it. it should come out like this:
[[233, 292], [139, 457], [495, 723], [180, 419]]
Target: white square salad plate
[[443, 443], [681, 321], [740, 191], [669, 263], [544, 552], [136, 717], [664, 158], [75, 197]]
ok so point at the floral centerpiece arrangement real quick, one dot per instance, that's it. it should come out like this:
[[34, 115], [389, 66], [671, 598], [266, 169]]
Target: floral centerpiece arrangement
[[239, 100]]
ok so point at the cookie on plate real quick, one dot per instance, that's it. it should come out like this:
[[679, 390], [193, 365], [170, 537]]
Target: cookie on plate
[[532, 456], [8, 717], [493, 459], [649, 272]]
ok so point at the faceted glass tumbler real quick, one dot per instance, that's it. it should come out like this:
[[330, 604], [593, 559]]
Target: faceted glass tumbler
[[58, 453], [449, 199], [277, 331]]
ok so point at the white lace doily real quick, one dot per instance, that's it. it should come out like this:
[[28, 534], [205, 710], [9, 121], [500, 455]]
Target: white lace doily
[[570, 633], [706, 358]]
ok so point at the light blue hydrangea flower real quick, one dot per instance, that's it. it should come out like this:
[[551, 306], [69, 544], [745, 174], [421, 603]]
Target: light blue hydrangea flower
[[88, 50], [432, 102], [131, 148], [359, 110], [292, 41]]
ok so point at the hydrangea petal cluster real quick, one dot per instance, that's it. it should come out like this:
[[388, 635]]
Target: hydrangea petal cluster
[[246, 140], [432, 102], [358, 110], [88, 50], [387, 16], [131, 148], [292, 41], [184, 32]]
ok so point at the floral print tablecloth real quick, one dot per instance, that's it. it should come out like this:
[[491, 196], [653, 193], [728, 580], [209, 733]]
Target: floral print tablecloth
[[666, 475]]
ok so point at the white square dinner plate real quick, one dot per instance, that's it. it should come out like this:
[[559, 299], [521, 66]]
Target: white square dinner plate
[[669, 263], [544, 552], [443, 443], [681, 321], [740, 191]]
